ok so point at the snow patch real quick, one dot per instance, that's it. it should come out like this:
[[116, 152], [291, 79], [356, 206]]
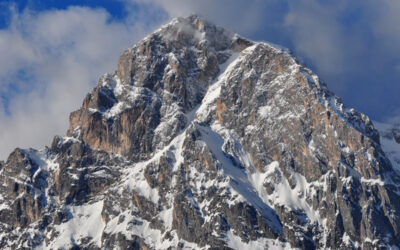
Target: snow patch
[[235, 242], [135, 181], [372, 181], [86, 222], [132, 225]]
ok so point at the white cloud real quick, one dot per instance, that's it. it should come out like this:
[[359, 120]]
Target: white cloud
[[316, 34], [63, 52], [241, 16]]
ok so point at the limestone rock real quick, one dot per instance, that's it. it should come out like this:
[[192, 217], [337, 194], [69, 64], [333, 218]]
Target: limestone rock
[[204, 140]]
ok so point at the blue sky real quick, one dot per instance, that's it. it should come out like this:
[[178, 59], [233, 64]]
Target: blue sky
[[54, 51]]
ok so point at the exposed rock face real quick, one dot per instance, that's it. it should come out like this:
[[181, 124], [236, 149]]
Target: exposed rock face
[[158, 80], [23, 189], [202, 139]]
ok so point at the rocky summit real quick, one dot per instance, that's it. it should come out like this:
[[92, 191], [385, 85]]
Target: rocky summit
[[202, 139]]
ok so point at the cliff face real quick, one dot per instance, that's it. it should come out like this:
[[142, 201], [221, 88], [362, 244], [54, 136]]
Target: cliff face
[[142, 107], [203, 139]]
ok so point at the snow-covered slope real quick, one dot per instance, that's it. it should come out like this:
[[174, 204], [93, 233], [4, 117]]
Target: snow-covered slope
[[205, 140]]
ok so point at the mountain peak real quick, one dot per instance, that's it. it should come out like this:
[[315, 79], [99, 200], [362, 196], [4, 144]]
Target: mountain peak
[[192, 24], [192, 32], [203, 139], [194, 19]]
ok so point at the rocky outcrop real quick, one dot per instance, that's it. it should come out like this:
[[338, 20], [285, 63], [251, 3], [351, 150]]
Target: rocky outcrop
[[158, 81], [203, 139], [23, 189]]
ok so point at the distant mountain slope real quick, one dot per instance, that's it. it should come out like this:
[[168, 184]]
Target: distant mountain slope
[[390, 142]]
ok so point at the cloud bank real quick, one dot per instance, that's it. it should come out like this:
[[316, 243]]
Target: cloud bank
[[49, 61]]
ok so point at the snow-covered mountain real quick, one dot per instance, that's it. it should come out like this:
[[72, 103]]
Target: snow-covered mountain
[[204, 140]]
